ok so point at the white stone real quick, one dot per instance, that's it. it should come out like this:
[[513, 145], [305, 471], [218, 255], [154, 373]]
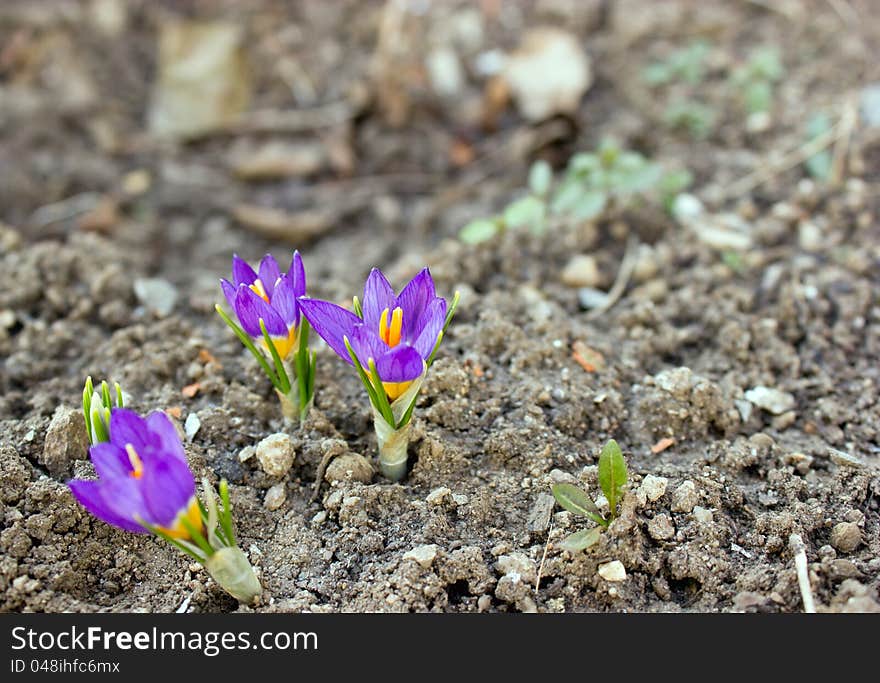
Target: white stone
[[548, 74], [276, 454], [275, 497], [685, 497], [772, 400], [653, 487], [438, 495], [424, 555], [191, 426], [581, 271], [702, 515], [156, 294], [445, 72], [613, 571]]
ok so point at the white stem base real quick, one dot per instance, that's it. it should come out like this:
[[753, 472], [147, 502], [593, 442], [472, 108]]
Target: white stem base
[[230, 568], [393, 444]]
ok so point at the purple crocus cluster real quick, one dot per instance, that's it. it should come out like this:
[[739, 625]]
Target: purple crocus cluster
[[399, 332], [143, 477], [268, 295], [144, 482]]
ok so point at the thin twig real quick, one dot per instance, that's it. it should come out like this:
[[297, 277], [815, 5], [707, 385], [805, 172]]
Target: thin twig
[[543, 558], [623, 275], [319, 475], [788, 161], [848, 121], [796, 543], [293, 120]]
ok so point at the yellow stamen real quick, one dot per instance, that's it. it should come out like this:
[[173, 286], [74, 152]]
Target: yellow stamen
[[137, 465], [395, 390], [192, 514], [283, 345], [390, 334], [260, 290]]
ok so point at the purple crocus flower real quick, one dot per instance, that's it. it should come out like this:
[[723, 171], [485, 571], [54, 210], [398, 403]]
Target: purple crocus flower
[[269, 295], [143, 477], [398, 332]]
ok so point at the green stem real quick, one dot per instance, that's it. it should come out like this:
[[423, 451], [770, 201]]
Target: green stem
[[249, 345], [280, 372]]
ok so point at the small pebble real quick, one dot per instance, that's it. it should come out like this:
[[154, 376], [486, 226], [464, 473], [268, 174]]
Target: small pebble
[[275, 497], [66, 441], [542, 510], [702, 515], [424, 555], [247, 453], [660, 528], [156, 294], [613, 571], [590, 298], [772, 400], [846, 536], [276, 454], [685, 497], [581, 271], [653, 487], [349, 467], [438, 495], [191, 426]]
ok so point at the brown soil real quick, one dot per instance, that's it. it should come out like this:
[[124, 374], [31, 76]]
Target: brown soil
[[506, 409]]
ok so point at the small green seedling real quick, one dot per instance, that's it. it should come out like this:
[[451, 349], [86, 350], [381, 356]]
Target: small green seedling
[[819, 165], [687, 65], [755, 79], [612, 480], [592, 184], [690, 116], [96, 409]]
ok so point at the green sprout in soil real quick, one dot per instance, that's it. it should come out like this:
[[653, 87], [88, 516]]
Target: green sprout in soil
[[96, 409], [612, 480], [690, 116], [687, 65], [820, 164], [754, 80], [592, 185]]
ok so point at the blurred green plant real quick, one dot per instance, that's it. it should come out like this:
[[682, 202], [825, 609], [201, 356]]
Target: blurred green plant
[[592, 183], [686, 65], [692, 117], [819, 165], [754, 80], [612, 481]]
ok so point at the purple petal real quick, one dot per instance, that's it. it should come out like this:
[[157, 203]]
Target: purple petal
[[402, 364], [429, 327], [378, 295], [127, 427], [414, 298], [269, 273], [367, 344], [110, 460], [110, 500], [167, 487], [167, 438], [228, 291], [332, 322], [284, 301], [242, 273], [297, 273], [250, 308]]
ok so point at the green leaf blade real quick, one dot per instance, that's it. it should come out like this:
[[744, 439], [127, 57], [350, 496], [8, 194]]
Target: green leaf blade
[[612, 474], [581, 540], [573, 499]]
